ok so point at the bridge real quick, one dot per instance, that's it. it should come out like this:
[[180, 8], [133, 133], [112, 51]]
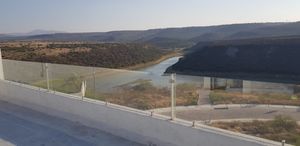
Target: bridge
[[36, 116]]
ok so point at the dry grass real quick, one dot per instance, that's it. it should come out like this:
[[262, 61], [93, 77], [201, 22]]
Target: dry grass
[[40, 48], [223, 97], [58, 51], [109, 55], [31, 44], [34, 44], [281, 128], [144, 95]]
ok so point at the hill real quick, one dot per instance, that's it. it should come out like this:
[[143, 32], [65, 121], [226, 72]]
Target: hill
[[175, 37], [110, 55], [275, 57]]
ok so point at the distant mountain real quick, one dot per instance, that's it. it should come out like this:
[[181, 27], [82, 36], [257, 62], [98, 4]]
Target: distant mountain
[[31, 33], [35, 32], [3, 35], [168, 42], [173, 37]]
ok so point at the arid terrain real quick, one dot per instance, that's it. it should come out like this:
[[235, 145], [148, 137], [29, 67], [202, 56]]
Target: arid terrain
[[281, 128], [110, 55]]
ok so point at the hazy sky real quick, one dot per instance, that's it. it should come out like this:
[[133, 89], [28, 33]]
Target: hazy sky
[[106, 15]]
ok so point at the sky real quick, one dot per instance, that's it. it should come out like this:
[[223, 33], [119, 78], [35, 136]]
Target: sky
[[107, 15]]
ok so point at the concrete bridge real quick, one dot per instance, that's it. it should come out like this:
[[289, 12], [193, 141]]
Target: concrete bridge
[[116, 125]]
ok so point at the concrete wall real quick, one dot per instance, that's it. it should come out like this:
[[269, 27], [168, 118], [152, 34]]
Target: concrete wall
[[129, 123], [267, 87], [207, 83]]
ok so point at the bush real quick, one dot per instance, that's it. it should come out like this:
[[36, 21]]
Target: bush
[[298, 141], [284, 123]]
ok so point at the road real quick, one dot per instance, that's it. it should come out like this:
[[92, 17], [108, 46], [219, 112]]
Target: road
[[22, 126]]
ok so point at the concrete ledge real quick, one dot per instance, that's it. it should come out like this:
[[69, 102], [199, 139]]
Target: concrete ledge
[[193, 107], [132, 124]]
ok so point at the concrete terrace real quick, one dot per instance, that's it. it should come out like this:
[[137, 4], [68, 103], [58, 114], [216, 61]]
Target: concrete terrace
[[23, 126]]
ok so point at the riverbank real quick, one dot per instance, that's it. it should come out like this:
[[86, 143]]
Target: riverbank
[[151, 63]]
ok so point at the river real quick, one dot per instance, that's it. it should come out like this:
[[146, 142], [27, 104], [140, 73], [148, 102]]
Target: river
[[109, 79], [160, 68]]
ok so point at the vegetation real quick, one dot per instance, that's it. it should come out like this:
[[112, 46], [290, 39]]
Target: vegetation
[[274, 58], [142, 94], [69, 85], [223, 97], [110, 55], [281, 128]]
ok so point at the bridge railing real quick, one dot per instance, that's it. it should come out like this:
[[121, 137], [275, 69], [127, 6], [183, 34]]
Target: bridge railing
[[201, 100]]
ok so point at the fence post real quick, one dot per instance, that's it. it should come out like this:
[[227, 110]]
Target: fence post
[[194, 124], [83, 89], [94, 82], [47, 76], [173, 95], [1, 67]]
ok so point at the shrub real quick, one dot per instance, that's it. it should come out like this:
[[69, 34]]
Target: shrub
[[284, 123], [298, 141]]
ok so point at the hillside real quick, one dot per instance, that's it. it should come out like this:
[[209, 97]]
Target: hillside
[[275, 57], [110, 55], [175, 37]]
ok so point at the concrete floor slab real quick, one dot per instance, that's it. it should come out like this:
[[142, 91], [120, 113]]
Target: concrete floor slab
[[22, 126]]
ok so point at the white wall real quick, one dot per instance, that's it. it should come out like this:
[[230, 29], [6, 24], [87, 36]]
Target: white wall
[[131, 124]]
